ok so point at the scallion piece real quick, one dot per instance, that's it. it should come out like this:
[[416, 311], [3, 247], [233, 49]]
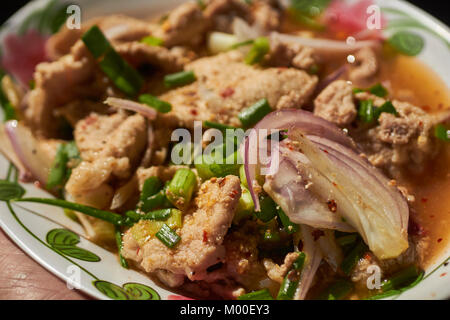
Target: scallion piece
[[259, 49], [181, 187], [350, 261], [96, 42], [402, 278], [161, 214], [245, 206], [337, 291], [242, 176], [242, 44], [124, 77], [251, 115], [123, 261], [229, 166], [263, 294], [215, 125], [58, 170], [365, 111], [299, 262], [179, 79], [167, 236], [268, 209], [154, 102], [387, 107], [442, 133], [156, 201], [152, 41], [378, 90], [151, 186], [289, 285], [288, 225]]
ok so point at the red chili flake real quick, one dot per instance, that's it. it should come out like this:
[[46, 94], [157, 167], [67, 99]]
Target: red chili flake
[[137, 251], [194, 112], [332, 205], [233, 194], [426, 108], [300, 245], [316, 233], [424, 200], [439, 240], [324, 150], [205, 236], [444, 274], [432, 216], [415, 229], [228, 92], [367, 256], [334, 184]]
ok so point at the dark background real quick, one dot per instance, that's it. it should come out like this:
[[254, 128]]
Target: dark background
[[437, 8]]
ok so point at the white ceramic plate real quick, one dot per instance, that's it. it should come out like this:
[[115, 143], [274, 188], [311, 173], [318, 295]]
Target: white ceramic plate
[[38, 229]]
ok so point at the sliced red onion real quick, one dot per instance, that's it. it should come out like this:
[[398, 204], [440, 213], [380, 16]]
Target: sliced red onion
[[331, 78], [143, 109], [28, 156], [145, 162], [284, 119], [312, 262], [378, 218], [289, 189]]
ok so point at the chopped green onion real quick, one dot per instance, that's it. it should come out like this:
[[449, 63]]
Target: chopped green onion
[[350, 261], [215, 125], [337, 291], [152, 41], [156, 201], [259, 49], [154, 102], [151, 186], [242, 176], [383, 295], [161, 214], [357, 90], [378, 90], [251, 115], [133, 215], [245, 206], [179, 79], [299, 262], [123, 261], [268, 209], [365, 111], [263, 294], [124, 77], [230, 166], [181, 187], [96, 42], [289, 285], [442, 133], [402, 278], [288, 225], [241, 44], [167, 236], [387, 107], [58, 171], [347, 240]]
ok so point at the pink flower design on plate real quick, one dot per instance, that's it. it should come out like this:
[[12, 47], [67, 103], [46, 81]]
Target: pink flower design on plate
[[21, 54], [344, 19]]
